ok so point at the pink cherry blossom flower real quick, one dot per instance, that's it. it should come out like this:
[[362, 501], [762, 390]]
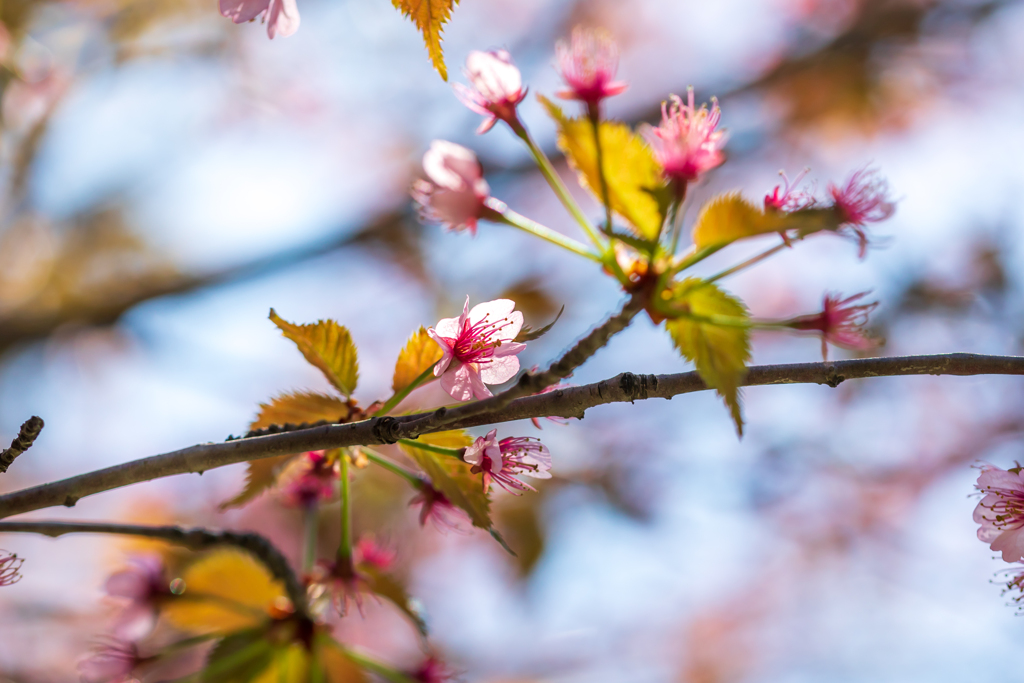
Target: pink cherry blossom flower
[[144, 585], [863, 199], [588, 66], [456, 190], [1001, 511], [10, 566], [281, 16], [497, 88], [786, 198], [368, 552], [432, 670], [436, 507], [112, 662], [313, 483], [501, 460], [841, 323], [686, 143], [478, 348]]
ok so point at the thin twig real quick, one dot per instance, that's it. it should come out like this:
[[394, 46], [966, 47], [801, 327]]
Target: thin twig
[[565, 402], [26, 437], [195, 539]]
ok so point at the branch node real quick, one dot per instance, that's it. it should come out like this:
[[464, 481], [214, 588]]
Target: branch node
[[69, 501], [26, 437], [833, 378], [385, 429], [637, 387]]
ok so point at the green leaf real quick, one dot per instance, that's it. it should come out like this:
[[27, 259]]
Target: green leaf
[[630, 170], [418, 354], [394, 590], [527, 334], [328, 346], [430, 16], [238, 658], [452, 477], [719, 352], [729, 217], [298, 407]]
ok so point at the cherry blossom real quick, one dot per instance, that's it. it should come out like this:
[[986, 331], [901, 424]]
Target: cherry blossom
[[112, 662], [478, 348], [497, 88], [436, 507], [686, 143], [313, 482], [1001, 511], [144, 585], [432, 670], [841, 323], [456, 190], [368, 552], [588, 66], [10, 566], [281, 16], [501, 461], [863, 199], [786, 198]]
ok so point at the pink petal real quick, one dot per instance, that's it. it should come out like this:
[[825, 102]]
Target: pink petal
[[480, 389], [508, 348], [447, 327], [282, 18], [129, 583], [446, 350], [1011, 544], [500, 369], [451, 166], [241, 11], [494, 310], [458, 382], [474, 454], [457, 207]]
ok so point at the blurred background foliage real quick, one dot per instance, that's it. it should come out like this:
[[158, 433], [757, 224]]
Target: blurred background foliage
[[168, 177]]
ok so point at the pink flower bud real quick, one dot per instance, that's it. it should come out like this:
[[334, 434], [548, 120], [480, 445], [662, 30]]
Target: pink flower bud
[[10, 566], [478, 347], [456, 190], [500, 461], [864, 199], [281, 16], [1001, 511], [497, 88], [840, 323], [686, 143], [588, 66]]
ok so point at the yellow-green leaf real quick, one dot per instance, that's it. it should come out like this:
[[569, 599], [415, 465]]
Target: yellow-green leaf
[[238, 658], [337, 665], [300, 407], [328, 346], [719, 351], [430, 16], [630, 170], [227, 590], [452, 477], [729, 217], [290, 664], [419, 353]]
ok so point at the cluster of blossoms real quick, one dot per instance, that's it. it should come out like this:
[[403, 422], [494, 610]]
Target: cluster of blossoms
[[1000, 513]]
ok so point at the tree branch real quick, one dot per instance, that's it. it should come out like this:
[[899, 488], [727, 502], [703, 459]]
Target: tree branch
[[195, 539], [27, 436], [567, 402]]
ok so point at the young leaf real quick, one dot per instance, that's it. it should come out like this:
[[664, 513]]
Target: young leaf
[[391, 588], [289, 663], [429, 17], [418, 354], [630, 170], [328, 346], [719, 352], [527, 334], [452, 477], [299, 407], [227, 590], [238, 658], [729, 217]]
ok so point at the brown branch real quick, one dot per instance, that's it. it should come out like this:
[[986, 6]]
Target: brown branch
[[194, 539], [26, 437], [567, 402]]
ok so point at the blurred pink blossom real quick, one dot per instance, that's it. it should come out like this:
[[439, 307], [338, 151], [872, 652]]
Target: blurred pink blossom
[[436, 507], [456, 190], [281, 16], [787, 198], [841, 323], [432, 670], [863, 199], [686, 143], [588, 66], [112, 662], [501, 460], [478, 348], [368, 551], [315, 483], [1001, 512], [10, 566], [496, 88], [144, 585]]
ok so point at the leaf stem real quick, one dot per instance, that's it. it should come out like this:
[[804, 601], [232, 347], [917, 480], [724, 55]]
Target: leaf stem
[[549, 173], [383, 670], [746, 264], [415, 443], [392, 467], [594, 114], [345, 545], [500, 213], [400, 395], [310, 536]]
